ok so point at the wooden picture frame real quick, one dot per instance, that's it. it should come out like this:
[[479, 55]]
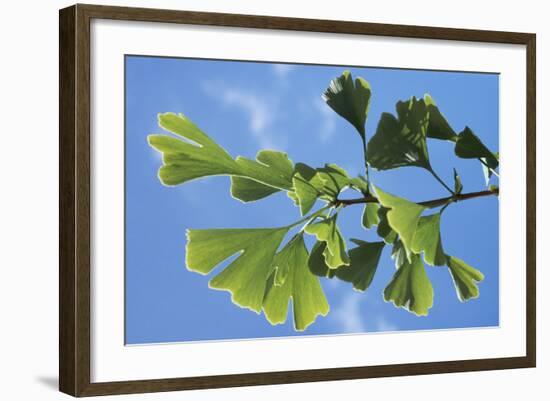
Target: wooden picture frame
[[75, 198]]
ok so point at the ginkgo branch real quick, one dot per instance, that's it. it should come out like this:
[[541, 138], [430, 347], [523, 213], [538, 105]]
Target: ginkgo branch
[[429, 203]]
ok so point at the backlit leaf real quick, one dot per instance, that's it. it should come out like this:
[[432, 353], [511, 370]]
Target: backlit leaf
[[427, 239], [327, 231], [299, 285], [350, 99], [410, 288], [197, 155], [246, 277], [402, 216], [465, 278], [401, 141]]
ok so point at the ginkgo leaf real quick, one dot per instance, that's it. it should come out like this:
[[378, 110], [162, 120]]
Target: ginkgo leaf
[[465, 278], [305, 192], [271, 167], [469, 146], [246, 277], [458, 183], [197, 155], [334, 178], [427, 239], [370, 215], [384, 230], [410, 288], [401, 141], [247, 190], [438, 126], [402, 216], [324, 183], [316, 261], [350, 99], [364, 260], [326, 230], [299, 285]]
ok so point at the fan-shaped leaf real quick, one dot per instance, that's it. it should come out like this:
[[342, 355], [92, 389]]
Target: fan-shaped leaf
[[247, 275], [327, 231], [438, 127], [401, 141], [427, 239], [465, 278], [403, 216], [410, 288], [199, 156], [299, 284], [364, 260], [350, 99]]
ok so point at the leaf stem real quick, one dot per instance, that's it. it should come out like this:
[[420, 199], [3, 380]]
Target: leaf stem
[[441, 181], [310, 216], [429, 203]]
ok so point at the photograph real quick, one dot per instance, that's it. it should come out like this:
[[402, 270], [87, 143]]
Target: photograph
[[268, 200]]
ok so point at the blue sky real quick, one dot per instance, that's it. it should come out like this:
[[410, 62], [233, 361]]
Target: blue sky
[[248, 106]]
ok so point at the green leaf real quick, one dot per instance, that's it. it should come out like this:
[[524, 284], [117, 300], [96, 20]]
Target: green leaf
[[334, 178], [401, 141], [363, 264], [199, 156], [427, 239], [316, 261], [308, 298], [247, 190], [306, 193], [402, 217], [469, 146], [398, 254], [364, 260], [458, 183], [246, 277], [438, 127], [327, 231], [465, 278], [410, 288], [271, 167], [324, 183], [350, 99], [384, 230], [370, 214]]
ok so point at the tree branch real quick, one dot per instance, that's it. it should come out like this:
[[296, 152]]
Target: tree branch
[[429, 204]]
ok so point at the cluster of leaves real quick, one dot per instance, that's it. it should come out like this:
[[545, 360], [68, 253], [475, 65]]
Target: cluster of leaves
[[266, 275]]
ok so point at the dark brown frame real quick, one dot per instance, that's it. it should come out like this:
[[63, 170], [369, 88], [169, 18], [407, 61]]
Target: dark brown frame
[[74, 199]]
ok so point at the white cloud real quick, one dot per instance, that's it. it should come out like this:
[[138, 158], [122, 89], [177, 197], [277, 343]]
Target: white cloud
[[328, 120], [259, 109], [348, 315], [282, 70]]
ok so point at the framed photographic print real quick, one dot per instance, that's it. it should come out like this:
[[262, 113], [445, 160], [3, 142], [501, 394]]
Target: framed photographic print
[[251, 200]]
